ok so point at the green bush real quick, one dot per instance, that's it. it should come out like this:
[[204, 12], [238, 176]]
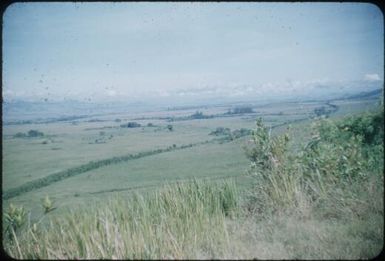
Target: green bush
[[13, 219], [35, 133], [339, 155], [20, 135], [47, 205]]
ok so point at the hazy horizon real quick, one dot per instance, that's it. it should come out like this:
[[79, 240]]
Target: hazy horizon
[[189, 51]]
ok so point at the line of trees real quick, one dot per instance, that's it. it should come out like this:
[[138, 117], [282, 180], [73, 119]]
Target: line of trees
[[29, 134], [228, 135], [45, 181], [240, 110], [195, 116]]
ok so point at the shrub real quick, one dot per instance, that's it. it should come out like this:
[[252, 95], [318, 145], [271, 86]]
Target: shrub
[[221, 131], [130, 125], [20, 135], [370, 126], [320, 111], [47, 205], [240, 133], [197, 115], [15, 218], [35, 133], [335, 158]]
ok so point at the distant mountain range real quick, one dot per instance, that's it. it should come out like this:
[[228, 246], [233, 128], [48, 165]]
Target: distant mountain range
[[363, 95], [20, 110]]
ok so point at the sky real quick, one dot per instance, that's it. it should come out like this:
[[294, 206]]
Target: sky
[[107, 51]]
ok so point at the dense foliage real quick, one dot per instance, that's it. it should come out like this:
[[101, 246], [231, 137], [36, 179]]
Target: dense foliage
[[340, 155], [227, 135]]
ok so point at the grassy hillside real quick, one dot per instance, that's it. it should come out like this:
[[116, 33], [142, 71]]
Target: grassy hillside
[[319, 198]]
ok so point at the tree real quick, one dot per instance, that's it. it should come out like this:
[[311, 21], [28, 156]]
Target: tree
[[35, 133], [131, 124]]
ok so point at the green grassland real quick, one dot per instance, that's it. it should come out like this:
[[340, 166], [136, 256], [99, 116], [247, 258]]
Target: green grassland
[[165, 158], [209, 160], [69, 145]]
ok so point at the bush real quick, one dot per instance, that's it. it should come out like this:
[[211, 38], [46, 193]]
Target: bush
[[15, 218], [240, 133], [31, 134], [35, 133], [199, 115], [221, 131], [229, 135], [130, 125], [369, 126], [20, 135], [336, 158], [47, 205]]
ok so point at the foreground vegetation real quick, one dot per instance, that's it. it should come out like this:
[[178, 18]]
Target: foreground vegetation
[[169, 223], [323, 200]]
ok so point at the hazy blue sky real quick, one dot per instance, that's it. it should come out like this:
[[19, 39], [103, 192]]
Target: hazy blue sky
[[118, 50]]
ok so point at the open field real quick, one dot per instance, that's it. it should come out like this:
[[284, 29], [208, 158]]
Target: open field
[[192, 130], [104, 159], [66, 145]]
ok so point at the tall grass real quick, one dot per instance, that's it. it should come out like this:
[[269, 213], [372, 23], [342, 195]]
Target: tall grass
[[336, 179], [185, 220], [339, 157]]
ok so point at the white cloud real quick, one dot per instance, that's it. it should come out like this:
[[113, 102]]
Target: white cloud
[[111, 93], [372, 77]]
